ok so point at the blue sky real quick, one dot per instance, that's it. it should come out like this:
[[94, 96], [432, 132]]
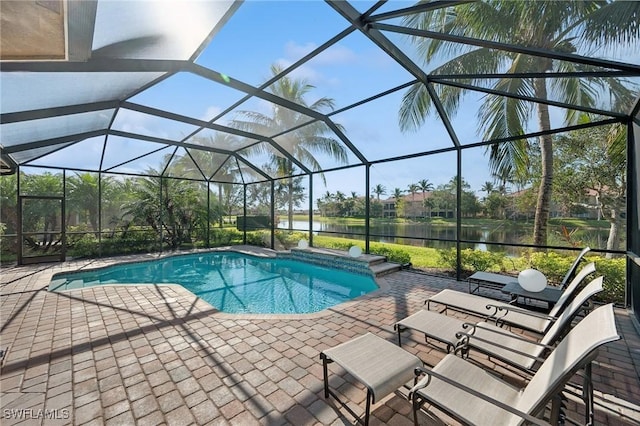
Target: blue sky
[[262, 33]]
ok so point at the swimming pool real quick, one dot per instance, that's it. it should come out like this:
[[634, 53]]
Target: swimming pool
[[234, 282]]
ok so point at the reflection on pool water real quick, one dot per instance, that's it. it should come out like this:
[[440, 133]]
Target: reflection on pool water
[[234, 282]]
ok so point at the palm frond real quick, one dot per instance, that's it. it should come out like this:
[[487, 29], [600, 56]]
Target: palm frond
[[614, 24], [415, 107]]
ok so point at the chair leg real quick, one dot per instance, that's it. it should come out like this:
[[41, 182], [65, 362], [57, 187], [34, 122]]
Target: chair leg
[[415, 402], [556, 410], [587, 396], [325, 374], [368, 409], [400, 329]]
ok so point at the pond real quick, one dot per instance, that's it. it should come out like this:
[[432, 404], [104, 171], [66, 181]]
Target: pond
[[410, 233]]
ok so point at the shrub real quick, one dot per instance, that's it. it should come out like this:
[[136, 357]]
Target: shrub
[[449, 258], [225, 237], [290, 238], [472, 260], [392, 254], [257, 238], [84, 246], [480, 260], [615, 280], [553, 265]]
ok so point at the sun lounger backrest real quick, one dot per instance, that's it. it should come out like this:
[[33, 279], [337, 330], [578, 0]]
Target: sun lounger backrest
[[571, 310], [574, 266], [572, 352], [567, 294]]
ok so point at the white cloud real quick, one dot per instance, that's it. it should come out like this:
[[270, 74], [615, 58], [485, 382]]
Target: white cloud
[[211, 112], [336, 54], [297, 51]]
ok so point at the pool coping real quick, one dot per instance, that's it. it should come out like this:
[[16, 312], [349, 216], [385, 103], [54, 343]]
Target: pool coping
[[383, 285]]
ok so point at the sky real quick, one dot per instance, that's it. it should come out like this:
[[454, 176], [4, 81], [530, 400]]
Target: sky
[[262, 33]]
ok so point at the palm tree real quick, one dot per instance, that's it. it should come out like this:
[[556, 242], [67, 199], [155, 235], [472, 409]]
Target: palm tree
[[425, 185], [412, 189], [83, 195], [218, 168], [379, 190], [488, 187], [399, 202], [305, 142], [397, 193], [560, 26], [175, 214]]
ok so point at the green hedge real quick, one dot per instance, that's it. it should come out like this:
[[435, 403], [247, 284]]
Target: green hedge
[[473, 260], [392, 254], [553, 265]]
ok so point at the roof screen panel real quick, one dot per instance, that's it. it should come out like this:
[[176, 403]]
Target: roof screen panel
[[294, 28], [135, 122], [83, 155], [271, 161], [53, 127], [28, 155], [374, 130], [347, 72], [471, 123], [263, 118], [582, 91], [220, 140], [183, 166], [505, 51], [246, 174], [155, 29], [317, 147], [152, 164], [190, 95], [24, 91], [227, 171], [120, 150], [208, 162]]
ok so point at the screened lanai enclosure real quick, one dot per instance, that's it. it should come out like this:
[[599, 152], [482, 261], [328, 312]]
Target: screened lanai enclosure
[[454, 136]]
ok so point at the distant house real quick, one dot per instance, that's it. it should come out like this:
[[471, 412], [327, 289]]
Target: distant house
[[414, 206], [588, 208]]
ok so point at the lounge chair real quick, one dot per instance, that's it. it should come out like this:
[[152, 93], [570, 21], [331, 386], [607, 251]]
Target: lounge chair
[[473, 395], [511, 348], [504, 313], [516, 350], [574, 267]]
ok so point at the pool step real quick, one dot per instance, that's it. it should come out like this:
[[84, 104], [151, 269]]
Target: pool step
[[383, 268]]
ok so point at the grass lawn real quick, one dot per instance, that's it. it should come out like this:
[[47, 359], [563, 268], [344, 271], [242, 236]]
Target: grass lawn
[[421, 257]]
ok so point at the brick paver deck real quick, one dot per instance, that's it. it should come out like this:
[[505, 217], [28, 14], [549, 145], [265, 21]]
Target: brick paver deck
[[152, 355]]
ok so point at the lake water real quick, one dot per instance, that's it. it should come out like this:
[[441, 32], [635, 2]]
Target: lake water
[[409, 233]]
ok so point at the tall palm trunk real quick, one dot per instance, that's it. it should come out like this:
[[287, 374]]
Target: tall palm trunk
[[220, 220], [546, 150], [290, 203], [612, 240]]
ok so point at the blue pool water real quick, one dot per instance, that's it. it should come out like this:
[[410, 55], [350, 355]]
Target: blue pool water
[[235, 283]]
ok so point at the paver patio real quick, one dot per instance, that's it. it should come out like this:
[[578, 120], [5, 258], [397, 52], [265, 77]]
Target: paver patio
[[156, 354]]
